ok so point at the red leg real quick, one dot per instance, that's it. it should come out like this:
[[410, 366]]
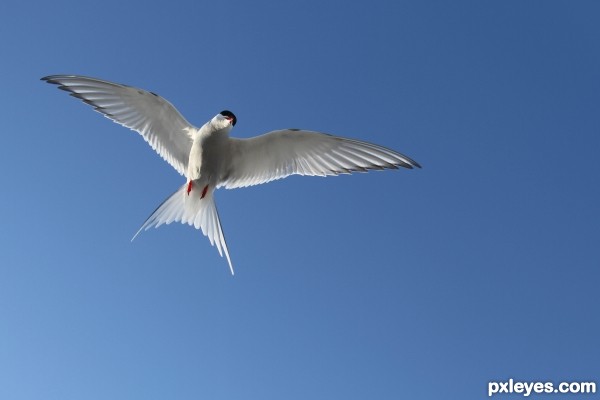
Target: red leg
[[204, 191], [189, 188]]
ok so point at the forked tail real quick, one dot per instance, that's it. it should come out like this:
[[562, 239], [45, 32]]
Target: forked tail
[[191, 209]]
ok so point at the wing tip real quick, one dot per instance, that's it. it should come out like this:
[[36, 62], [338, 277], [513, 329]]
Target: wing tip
[[408, 163], [55, 78], [49, 79], [415, 164]]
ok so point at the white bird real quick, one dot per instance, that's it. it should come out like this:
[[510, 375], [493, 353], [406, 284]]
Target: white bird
[[210, 159]]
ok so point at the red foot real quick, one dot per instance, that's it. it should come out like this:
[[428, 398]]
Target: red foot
[[204, 191], [189, 188]]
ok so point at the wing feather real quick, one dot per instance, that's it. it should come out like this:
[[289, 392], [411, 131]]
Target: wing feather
[[153, 117], [281, 153]]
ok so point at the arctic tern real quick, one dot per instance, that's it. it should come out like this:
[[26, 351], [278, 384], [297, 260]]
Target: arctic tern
[[210, 159]]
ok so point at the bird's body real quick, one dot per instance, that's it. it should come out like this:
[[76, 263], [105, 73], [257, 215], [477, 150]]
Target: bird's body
[[209, 158], [209, 154]]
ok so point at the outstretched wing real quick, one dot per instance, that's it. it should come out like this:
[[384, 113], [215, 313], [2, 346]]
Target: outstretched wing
[[278, 154], [153, 117]]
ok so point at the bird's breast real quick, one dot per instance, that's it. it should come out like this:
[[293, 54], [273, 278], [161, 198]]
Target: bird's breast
[[207, 157]]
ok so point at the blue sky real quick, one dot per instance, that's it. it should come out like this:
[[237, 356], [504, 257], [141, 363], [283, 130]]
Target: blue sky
[[426, 284]]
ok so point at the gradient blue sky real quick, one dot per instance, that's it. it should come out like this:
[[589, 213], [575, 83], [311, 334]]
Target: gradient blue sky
[[424, 284]]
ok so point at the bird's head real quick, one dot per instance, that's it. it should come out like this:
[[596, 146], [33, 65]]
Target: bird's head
[[224, 119]]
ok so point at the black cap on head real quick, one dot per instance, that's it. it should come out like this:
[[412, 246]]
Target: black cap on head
[[227, 113]]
